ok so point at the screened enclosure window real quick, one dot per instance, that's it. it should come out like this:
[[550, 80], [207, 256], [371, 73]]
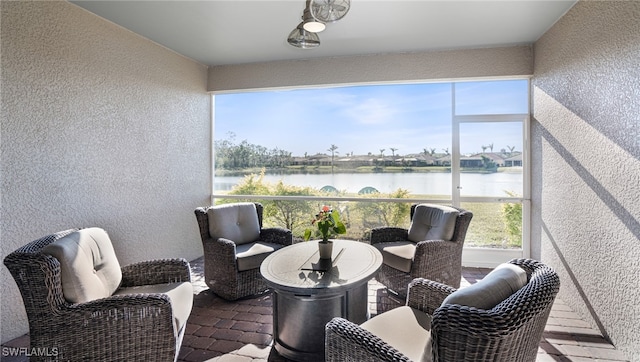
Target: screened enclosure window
[[343, 138], [491, 156], [492, 97], [382, 141]]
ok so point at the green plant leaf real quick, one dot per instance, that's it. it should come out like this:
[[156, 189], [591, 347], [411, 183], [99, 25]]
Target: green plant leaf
[[307, 234]]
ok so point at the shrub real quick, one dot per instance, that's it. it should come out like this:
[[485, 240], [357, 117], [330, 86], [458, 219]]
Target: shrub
[[512, 216]]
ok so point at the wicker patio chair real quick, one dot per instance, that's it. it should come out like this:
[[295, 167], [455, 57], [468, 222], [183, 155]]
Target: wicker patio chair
[[142, 320], [431, 248], [235, 243], [434, 327]]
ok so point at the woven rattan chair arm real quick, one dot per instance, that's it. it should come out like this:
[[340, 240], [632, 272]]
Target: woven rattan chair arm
[[434, 255], [123, 327], [221, 249], [122, 302], [427, 295], [388, 233], [158, 271], [277, 236], [347, 341]]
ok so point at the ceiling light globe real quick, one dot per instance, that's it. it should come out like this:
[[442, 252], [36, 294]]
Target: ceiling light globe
[[314, 26]]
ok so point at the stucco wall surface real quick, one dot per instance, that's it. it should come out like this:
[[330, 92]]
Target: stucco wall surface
[[586, 163], [100, 127], [379, 68]]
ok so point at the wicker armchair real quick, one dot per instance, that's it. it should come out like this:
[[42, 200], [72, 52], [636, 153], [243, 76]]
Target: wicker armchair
[[439, 331], [232, 267], [132, 324], [438, 260]]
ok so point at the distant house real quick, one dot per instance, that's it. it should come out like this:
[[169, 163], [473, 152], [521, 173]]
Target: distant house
[[419, 159], [497, 158], [471, 161], [444, 160], [514, 161]]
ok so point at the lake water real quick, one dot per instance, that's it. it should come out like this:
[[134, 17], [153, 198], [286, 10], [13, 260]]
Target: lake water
[[473, 184]]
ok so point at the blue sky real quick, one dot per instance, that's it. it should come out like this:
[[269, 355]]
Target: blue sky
[[363, 119]]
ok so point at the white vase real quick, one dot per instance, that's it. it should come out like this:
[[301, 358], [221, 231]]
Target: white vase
[[326, 249]]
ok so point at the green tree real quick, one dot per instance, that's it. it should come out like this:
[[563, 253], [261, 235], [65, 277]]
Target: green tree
[[489, 164], [251, 184], [291, 214], [385, 213]]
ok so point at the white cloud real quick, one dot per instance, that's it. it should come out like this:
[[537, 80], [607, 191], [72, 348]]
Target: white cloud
[[372, 111]]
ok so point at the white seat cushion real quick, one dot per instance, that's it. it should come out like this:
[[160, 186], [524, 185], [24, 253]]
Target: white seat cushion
[[181, 295], [237, 222], [433, 222], [89, 268], [497, 286], [406, 329], [250, 256], [398, 254]]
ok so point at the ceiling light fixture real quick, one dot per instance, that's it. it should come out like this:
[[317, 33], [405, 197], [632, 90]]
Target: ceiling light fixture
[[301, 38], [310, 23], [313, 21]]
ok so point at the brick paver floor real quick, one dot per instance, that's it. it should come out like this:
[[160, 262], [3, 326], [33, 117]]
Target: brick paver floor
[[241, 331]]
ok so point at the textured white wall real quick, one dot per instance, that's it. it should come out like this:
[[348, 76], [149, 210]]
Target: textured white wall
[[100, 127], [586, 157], [379, 68]]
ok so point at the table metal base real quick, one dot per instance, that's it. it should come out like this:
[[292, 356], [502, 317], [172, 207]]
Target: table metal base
[[299, 320], [309, 291]]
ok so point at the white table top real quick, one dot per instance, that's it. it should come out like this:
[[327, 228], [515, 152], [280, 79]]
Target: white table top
[[299, 269]]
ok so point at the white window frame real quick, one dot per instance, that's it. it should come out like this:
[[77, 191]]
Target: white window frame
[[491, 257], [472, 256]]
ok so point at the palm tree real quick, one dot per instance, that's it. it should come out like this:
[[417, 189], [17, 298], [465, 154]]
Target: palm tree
[[484, 148], [382, 163], [332, 149], [393, 152], [491, 147]]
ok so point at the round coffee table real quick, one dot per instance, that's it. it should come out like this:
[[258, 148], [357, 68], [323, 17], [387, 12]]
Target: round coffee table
[[308, 292]]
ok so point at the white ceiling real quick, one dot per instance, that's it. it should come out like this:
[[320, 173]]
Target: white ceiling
[[218, 32]]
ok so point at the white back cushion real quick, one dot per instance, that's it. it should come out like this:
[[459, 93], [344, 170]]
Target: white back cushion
[[237, 222], [497, 286], [88, 265], [432, 222]]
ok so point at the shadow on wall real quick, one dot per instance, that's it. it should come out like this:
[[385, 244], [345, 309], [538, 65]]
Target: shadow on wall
[[576, 283], [607, 198], [584, 207]]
